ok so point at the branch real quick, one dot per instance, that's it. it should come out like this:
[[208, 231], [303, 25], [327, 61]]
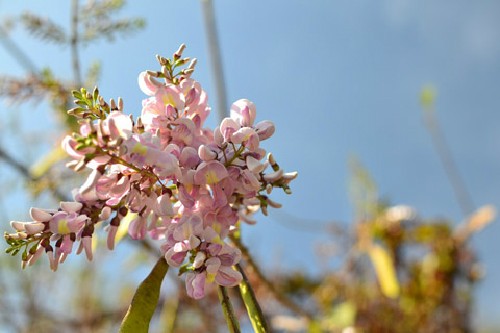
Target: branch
[[15, 51], [74, 43], [25, 172], [215, 57], [462, 194]]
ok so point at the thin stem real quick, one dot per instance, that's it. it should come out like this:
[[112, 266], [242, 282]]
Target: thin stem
[[232, 322], [74, 44], [215, 56], [460, 190], [254, 311], [280, 297]]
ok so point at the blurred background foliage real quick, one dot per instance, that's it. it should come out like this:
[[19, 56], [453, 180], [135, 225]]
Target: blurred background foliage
[[397, 272]]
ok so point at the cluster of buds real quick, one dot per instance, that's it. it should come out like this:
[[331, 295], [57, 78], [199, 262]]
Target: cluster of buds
[[186, 185]]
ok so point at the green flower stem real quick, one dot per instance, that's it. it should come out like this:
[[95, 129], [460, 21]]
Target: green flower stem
[[279, 296], [232, 322], [145, 299], [254, 311]]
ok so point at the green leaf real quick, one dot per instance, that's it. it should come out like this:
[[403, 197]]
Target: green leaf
[[255, 315], [145, 299]]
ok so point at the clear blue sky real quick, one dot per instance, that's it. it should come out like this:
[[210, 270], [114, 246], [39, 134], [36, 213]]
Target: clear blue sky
[[338, 78]]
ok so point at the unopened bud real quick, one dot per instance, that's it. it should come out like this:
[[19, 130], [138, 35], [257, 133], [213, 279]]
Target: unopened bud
[[73, 111], [112, 104], [179, 51], [271, 159], [290, 175], [162, 60], [274, 204], [120, 103], [153, 73], [274, 176], [102, 102]]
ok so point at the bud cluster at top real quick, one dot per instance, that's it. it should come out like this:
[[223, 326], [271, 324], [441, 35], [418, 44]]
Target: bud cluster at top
[[185, 185]]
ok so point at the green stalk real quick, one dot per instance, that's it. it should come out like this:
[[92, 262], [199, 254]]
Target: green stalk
[[233, 324], [255, 314]]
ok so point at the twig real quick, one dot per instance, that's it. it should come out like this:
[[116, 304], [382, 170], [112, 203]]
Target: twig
[[463, 196], [74, 43], [215, 57], [24, 171], [15, 51]]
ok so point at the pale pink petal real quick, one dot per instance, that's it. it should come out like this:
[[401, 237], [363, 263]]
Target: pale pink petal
[[254, 165], [210, 172], [227, 127], [195, 285], [138, 228], [71, 207], [199, 260], [163, 206], [265, 129], [19, 226], [244, 112], [111, 236], [189, 157], [226, 276], [213, 265], [119, 125], [105, 213], [34, 228], [173, 258], [87, 246], [147, 84], [40, 215], [206, 153], [36, 255]]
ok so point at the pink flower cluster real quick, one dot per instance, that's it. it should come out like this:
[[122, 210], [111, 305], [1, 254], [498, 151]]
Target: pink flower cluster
[[187, 186]]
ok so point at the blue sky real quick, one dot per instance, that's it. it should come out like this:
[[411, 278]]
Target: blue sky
[[339, 79]]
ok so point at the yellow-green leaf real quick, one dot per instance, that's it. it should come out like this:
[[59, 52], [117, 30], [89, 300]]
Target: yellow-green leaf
[[45, 163], [123, 228], [384, 268], [145, 299]]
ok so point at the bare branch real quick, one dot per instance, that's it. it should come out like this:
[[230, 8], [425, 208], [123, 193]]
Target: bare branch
[[43, 28], [74, 43], [25, 172]]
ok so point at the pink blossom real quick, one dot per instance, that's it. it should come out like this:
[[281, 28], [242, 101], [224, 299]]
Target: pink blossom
[[243, 112], [187, 185], [195, 285], [210, 172], [148, 85], [138, 227]]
